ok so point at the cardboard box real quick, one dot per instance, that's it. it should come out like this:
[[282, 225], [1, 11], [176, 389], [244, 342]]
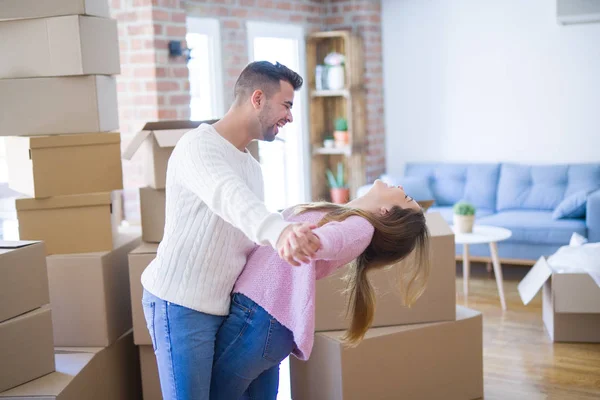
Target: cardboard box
[[89, 295], [81, 223], [59, 46], [422, 361], [437, 303], [26, 349], [155, 143], [87, 374], [46, 166], [139, 259], [23, 278], [570, 302], [65, 105], [152, 210], [18, 9], [150, 380]]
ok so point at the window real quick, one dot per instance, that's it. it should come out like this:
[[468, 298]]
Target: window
[[206, 83], [285, 161]]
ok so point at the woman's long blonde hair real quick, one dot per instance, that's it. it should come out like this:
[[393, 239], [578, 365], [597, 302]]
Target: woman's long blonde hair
[[398, 234]]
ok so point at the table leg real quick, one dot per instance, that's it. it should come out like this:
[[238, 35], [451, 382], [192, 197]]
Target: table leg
[[498, 273], [466, 269]]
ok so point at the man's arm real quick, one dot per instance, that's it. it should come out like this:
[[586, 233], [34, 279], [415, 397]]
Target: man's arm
[[206, 172]]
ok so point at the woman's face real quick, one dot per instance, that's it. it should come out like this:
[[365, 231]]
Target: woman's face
[[382, 197]]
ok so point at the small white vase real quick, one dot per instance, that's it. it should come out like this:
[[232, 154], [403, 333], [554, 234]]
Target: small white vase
[[464, 223], [335, 77]]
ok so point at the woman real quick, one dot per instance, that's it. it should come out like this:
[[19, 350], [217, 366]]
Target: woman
[[272, 308]]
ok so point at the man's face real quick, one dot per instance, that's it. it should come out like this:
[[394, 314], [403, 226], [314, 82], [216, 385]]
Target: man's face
[[276, 112]]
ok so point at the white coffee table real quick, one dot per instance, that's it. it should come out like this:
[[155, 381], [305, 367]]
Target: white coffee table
[[483, 234]]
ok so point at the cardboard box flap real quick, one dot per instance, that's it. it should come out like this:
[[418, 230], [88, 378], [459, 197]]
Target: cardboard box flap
[[437, 225], [575, 293], [83, 200], [16, 244], [533, 282], [135, 144], [146, 248], [67, 367], [169, 137], [85, 139]]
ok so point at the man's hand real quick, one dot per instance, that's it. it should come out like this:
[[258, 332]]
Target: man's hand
[[298, 244]]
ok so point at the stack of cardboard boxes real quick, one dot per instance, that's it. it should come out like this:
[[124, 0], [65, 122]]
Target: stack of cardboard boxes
[[58, 103], [153, 145], [432, 350]]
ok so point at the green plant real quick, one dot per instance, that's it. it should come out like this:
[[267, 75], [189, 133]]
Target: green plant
[[336, 182], [464, 208], [341, 124], [328, 137]]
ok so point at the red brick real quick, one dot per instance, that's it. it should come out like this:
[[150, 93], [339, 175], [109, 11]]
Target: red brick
[[141, 3], [265, 3], [297, 18], [144, 99], [284, 6], [160, 15], [135, 86], [167, 86], [162, 100], [137, 30], [178, 17], [115, 5], [142, 58], [151, 86], [375, 18], [179, 72], [334, 20], [167, 114], [232, 24], [239, 12], [250, 3], [176, 31], [158, 29], [161, 72], [179, 99], [144, 72]]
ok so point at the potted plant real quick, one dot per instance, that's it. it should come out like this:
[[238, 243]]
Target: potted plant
[[340, 133], [328, 142], [464, 217], [340, 193]]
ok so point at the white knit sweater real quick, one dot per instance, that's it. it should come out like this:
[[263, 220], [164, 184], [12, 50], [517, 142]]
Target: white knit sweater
[[214, 216]]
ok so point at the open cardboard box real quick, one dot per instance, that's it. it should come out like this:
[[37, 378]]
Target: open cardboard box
[[155, 143], [571, 302], [87, 373], [139, 259]]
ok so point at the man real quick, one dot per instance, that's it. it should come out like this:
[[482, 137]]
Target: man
[[214, 217]]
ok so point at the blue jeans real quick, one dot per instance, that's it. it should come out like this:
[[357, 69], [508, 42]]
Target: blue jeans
[[184, 344], [250, 346]]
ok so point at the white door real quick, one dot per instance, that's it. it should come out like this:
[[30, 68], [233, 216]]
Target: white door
[[284, 162]]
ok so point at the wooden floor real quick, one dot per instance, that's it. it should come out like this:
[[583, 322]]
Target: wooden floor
[[519, 359]]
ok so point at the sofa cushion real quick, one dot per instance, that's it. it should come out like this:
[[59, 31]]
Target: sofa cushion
[[447, 213], [543, 187], [450, 182], [572, 206], [536, 226]]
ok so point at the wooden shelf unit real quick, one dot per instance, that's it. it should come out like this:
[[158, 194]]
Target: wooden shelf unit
[[325, 106]]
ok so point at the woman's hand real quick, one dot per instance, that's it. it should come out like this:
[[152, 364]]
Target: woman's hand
[[298, 244]]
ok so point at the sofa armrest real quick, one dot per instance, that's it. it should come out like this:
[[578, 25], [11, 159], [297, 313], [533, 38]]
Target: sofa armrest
[[592, 218]]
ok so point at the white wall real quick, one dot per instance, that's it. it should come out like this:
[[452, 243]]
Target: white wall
[[488, 80]]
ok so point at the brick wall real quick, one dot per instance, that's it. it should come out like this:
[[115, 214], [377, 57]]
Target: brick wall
[[153, 86]]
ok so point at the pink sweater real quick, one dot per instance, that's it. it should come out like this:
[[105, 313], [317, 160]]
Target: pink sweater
[[287, 292]]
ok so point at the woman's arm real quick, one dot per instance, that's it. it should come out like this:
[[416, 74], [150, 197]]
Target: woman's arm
[[341, 242]]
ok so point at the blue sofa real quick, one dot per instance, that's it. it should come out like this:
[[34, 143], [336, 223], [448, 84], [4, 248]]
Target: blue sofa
[[543, 205]]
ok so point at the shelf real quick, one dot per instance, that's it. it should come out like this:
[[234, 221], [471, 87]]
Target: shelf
[[330, 93], [333, 151]]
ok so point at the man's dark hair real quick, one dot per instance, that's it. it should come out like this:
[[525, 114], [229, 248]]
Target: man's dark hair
[[265, 76]]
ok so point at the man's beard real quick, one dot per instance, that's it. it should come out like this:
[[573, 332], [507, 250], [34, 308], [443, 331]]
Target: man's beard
[[269, 132]]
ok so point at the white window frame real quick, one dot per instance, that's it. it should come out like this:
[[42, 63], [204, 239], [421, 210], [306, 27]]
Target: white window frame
[[211, 27], [289, 31]]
